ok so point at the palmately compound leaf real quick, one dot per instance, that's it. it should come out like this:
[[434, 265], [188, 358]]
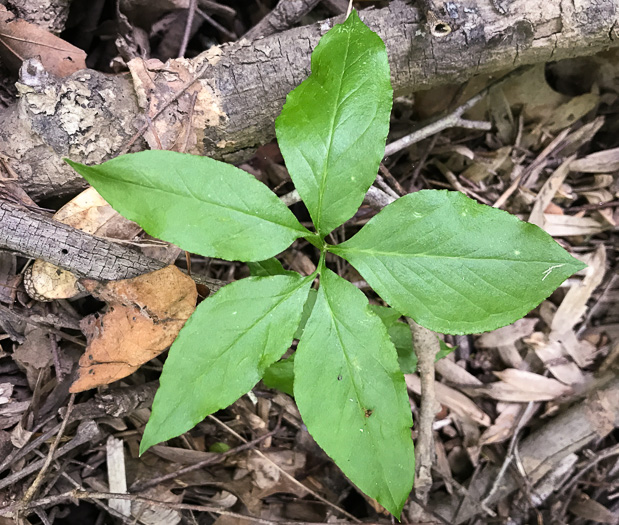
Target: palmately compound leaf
[[456, 266], [351, 393], [202, 205], [333, 127], [223, 351]]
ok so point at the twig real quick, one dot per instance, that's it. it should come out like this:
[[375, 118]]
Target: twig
[[600, 456], [87, 432], [428, 510], [426, 346], [349, 9], [83, 494], [536, 164], [201, 464], [285, 474], [218, 9], [509, 457], [282, 17], [53, 342], [191, 11], [31, 492], [451, 120], [209, 20]]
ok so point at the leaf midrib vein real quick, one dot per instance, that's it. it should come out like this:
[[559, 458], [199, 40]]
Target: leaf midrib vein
[[202, 200], [427, 256], [331, 134]]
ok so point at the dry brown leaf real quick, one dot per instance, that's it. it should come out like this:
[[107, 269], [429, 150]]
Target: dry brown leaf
[[585, 507], [598, 197], [144, 317], [21, 40], [503, 426], [507, 335], [454, 400], [547, 193], [573, 307], [90, 213], [599, 162], [453, 373], [521, 386], [573, 110], [569, 225], [552, 354]]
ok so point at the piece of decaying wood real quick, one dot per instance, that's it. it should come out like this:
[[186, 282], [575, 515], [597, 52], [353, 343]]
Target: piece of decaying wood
[[117, 479], [34, 234], [243, 86], [543, 450]]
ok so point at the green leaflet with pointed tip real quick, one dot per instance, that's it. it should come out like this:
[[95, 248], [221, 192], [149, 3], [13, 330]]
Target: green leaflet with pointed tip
[[456, 266], [202, 205], [280, 376], [267, 267], [223, 351], [351, 393], [333, 127]]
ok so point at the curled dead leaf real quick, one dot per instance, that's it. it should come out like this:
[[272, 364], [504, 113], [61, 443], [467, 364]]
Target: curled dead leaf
[[20, 40], [144, 317]]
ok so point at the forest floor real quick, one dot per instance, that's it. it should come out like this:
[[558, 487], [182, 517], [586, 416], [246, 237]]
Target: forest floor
[[525, 430]]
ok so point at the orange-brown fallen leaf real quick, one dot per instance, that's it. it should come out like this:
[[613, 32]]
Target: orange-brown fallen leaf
[[20, 40], [144, 317]]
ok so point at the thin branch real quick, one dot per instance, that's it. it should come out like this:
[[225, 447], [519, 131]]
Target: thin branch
[[31, 492], [201, 464], [426, 346], [191, 12], [509, 457], [285, 474], [453, 119], [84, 494]]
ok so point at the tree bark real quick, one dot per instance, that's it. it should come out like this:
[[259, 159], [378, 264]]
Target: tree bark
[[34, 234], [90, 116]]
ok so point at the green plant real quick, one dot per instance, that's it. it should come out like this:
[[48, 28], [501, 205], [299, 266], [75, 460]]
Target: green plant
[[453, 265]]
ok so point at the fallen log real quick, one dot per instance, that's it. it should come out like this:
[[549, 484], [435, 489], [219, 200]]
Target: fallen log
[[241, 87]]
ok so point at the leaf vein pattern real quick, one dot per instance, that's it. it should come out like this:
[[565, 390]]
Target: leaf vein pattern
[[321, 189]]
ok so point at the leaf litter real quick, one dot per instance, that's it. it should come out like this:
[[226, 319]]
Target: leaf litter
[[552, 358]]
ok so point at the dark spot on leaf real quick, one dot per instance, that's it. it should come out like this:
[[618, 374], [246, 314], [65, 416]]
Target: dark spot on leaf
[[339, 378], [368, 412], [64, 251], [91, 371], [90, 357]]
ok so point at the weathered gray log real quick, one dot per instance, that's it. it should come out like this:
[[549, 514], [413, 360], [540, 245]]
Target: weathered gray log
[[36, 235], [90, 116]]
